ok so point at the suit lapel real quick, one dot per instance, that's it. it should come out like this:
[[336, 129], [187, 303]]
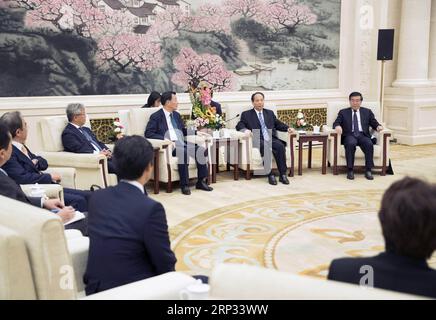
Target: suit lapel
[[163, 121], [256, 118], [23, 158], [80, 135]]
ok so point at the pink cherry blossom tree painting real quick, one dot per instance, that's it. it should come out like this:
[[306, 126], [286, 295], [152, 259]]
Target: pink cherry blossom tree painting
[[192, 67]]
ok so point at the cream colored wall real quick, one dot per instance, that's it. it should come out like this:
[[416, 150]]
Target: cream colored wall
[[358, 71]]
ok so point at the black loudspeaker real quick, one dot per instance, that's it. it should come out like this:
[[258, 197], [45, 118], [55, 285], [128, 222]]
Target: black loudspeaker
[[385, 44]]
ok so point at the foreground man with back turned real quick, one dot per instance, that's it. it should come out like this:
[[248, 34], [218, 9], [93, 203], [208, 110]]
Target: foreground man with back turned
[[128, 231]]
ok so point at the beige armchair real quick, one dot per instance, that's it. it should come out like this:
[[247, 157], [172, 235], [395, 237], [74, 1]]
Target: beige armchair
[[168, 171], [37, 261], [243, 282], [90, 168], [336, 151], [250, 158]]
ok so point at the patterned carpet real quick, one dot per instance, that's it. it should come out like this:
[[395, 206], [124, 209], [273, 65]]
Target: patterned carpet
[[298, 232]]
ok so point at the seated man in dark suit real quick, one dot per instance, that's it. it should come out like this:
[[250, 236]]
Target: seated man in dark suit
[[408, 221], [128, 231], [168, 124], [216, 105], [25, 167], [79, 139], [9, 188], [353, 124], [265, 124]]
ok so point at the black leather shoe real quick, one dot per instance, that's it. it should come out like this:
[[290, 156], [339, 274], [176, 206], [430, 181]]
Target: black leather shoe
[[202, 185], [272, 180], [284, 179], [368, 175], [186, 191], [350, 175]]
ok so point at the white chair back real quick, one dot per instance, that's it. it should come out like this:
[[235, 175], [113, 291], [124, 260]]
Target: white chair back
[[43, 234], [123, 115], [138, 119], [50, 132]]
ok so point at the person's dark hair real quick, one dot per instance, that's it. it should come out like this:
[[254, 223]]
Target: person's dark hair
[[152, 98], [5, 137], [355, 94], [132, 155], [166, 96], [12, 121], [255, 94], [408, 218]]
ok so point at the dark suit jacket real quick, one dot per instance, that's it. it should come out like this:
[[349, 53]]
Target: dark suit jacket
[[21, 169], [129, 238], [249, 120], [74, 141], [9, 188], [217, 106], [345, 120], [157, 127], [391, 272]]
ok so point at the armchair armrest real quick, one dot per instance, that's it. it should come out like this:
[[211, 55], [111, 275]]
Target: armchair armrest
[[200, 139], [68, 176], [74, 160], [164, 287], [53, 191], [238, 134], [162, 144]]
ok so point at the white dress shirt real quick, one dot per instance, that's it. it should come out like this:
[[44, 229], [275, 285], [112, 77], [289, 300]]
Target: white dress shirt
[[358, 120], [135, 184], [19, 146], [171, 130], [96, 150]]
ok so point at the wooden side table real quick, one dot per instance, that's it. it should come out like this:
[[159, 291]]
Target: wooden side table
[[156, 170], [310, 138], [232, 148]]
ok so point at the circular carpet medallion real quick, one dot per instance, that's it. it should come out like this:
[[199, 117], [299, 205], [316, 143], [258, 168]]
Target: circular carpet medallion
[[298, 233]]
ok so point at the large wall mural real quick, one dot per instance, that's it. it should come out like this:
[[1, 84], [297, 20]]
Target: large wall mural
[[98, 47]]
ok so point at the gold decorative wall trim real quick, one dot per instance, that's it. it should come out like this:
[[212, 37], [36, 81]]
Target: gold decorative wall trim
[[103, 129], [314, 116]]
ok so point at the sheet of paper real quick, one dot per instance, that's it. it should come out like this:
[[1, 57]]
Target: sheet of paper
[[77, 217]]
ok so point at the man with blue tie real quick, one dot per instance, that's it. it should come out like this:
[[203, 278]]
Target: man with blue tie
[[128, 231], [353, 124], [167, 124], [266, 123], [79, 139]]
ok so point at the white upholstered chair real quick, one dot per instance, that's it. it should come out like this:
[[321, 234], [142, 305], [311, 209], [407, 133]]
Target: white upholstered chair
[[38, 260], [136, 120], [15, 272], [244, 282], [250, 158], [90, 168], [336, 151]]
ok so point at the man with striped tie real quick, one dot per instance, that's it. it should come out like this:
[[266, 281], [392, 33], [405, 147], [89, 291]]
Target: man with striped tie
[[264, 125]]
